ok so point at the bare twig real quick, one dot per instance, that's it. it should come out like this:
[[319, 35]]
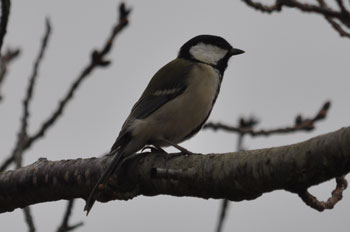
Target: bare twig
[[264, 8], [337, 195], [305, 7], [341, 6], [222, 216], [32, 80], [65, 227], [301, 124], [336, 26], [5, 60], [97, 60], [5, 12], [342, 15], [29, 219], [7, 162]]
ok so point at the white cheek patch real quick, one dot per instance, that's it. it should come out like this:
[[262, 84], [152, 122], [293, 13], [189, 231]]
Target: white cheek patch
[[208, 53]]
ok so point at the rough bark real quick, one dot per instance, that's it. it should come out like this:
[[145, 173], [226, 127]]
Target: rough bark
[[236, 176]]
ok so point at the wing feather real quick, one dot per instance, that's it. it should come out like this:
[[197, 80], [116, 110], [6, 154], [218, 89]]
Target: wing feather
[[169, 82]]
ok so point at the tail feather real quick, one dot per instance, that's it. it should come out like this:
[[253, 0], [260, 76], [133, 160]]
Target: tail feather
[[114, 165]]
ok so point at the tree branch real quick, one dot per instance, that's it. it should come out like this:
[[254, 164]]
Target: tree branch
[[300, 124], [342, 15], [234, 176], [337, 26], [97, 60]]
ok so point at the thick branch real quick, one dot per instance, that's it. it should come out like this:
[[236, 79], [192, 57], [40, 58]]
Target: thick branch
[[235, 176]]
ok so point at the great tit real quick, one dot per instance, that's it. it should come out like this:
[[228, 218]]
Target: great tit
[[175, 104]]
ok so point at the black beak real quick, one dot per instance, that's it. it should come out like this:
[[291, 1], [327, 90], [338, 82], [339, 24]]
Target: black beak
[[235, 51]]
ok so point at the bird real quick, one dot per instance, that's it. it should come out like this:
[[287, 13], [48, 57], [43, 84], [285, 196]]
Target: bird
[[175, 104]]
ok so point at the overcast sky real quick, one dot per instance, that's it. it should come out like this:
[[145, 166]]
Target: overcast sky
[[293, 63]]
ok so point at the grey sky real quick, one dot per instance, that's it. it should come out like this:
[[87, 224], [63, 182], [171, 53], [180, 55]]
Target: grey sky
[[293, 63]]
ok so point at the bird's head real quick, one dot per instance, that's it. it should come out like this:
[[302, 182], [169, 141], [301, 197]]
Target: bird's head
[[209, 49]]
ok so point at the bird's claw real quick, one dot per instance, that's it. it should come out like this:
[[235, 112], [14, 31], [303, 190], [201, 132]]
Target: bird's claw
[[154, 149]]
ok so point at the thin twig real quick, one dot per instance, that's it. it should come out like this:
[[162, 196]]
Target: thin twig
[[8, 161], [5, 12], [305, 7], [300, 124], [32, 80], [97, 60], [65, 227], [341, 6], [336, 26], [337, 195], [29, 219], [264, 8], [5, 60], [223, 209], [342, 15]]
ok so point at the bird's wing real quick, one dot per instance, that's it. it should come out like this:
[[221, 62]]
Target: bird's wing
[[168, 83]]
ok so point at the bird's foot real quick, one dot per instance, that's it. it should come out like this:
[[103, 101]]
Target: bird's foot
[[154, 149], [183, 150]]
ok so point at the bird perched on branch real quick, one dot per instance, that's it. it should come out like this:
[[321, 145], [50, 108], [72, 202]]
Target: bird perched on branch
[[175, 104]]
